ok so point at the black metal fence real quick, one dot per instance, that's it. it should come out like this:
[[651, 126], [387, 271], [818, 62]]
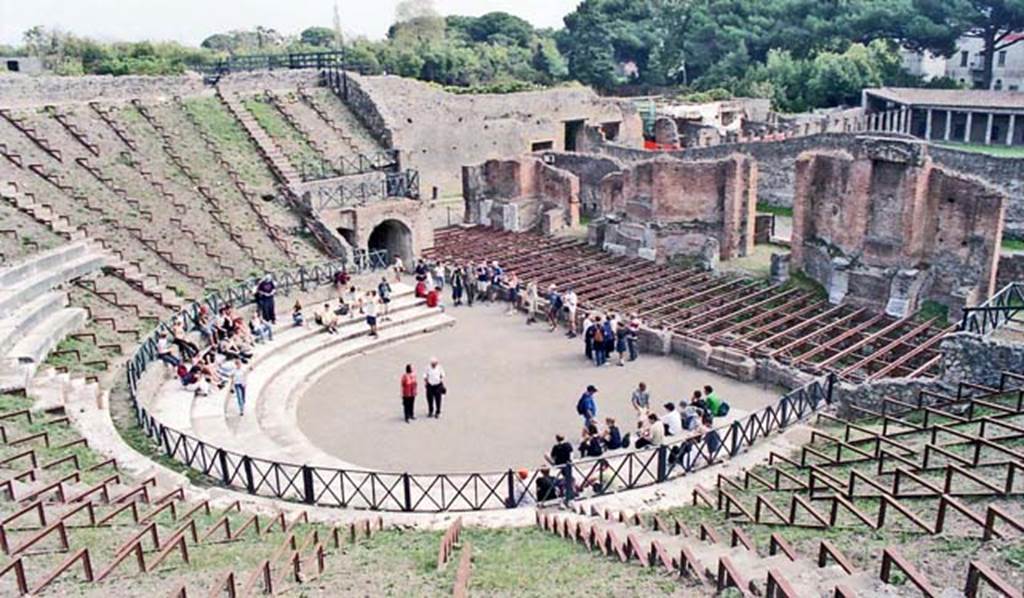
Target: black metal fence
[[294, 60], [1004, 307], [399, 185], [382, 161], [386, 491]]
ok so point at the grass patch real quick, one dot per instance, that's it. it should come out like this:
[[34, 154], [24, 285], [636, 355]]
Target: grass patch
[[999, 151], [214, 119], [799, 280], [295, 146], [1013, 244], [932, 309], [777, 210]]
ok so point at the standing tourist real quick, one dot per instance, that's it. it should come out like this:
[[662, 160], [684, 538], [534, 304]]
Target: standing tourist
[[398, 267], [458, 283], [554, 307], [586, 406], [641, 400], [571, 301], [597, 340], [435, 379], [621, 341], [471, 284], [608, 330], [633, 340], [384, 291], [532, 301], [265, 292], [238, 382], [512, 282], [408, 392], [588, 336], [370, 309]]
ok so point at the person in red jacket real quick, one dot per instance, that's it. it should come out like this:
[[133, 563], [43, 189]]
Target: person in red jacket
[[408, 393], [433, 297]]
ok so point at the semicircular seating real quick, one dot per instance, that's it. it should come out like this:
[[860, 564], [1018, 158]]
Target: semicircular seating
[[269, 429]]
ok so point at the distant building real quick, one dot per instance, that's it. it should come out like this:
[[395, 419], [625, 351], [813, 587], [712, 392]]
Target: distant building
[[29, 65], [967, 65], [969, 116]]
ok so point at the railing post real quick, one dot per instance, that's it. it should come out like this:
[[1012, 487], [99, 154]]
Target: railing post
[[510, 502], [307, 485], [735, 439], [222, 458], [250, 485], [831, 387], [662, 463], [406, 492]]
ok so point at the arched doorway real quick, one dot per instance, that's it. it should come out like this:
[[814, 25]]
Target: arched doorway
[[394, 237]]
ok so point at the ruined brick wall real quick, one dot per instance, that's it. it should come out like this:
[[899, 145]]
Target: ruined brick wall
[[777, 160], [439, 132], [591, 170], [882, 225], [688, 201], [1011, 269], [526, 185]]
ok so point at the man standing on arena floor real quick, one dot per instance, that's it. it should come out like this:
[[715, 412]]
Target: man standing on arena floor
[[571, 301], [586, 407], [435, 379], [384, 291]]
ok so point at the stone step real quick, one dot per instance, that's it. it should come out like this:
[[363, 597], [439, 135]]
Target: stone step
[[19, 322], [220, 420], [22, 283], [34, 346]]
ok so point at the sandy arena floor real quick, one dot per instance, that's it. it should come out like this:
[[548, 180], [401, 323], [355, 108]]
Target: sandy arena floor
[[511, 388]]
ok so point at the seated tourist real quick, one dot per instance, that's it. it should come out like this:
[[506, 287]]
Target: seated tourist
[[672, 420], [261, 330], [561, 452], [547, 486], [434, 297], [712, 401], [605, 480], [225, 370], [590, 444], [698, 401], [164, 352], [327, 319], [522, 495], [612, 437], [186, 348], [297, 319], [653, 434], [202, 387], [206, 327], [690, 415]]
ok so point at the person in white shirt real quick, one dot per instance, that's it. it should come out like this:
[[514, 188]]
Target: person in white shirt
[[571, 301], [532, 302], [238, 382], [398, 267], [370, 309], [434, 379], [673, 420]]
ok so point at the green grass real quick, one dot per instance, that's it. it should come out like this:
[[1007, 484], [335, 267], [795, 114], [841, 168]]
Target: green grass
[[214, 119], [1013, 244], [799, 280], [299, 152], [999, 151], [777, 210], [931, 309]]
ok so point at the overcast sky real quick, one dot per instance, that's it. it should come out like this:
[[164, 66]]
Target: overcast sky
[[190, 21]]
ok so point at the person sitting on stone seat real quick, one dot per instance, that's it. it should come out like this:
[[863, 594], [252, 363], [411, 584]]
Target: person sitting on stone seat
[[261, 330], [327, 319], [547, 486], [653, 434], [186, 348], [590, 443], [164, 352], [298, 320], [206, 327], [612, 436]]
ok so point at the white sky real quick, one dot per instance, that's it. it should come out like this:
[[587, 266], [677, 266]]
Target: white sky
[[190, 21]]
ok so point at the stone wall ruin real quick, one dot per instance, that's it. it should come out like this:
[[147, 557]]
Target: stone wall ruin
[[881, 225], [521, 194]]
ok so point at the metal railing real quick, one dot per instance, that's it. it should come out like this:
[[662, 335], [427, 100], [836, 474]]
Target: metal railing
[[399, 185], [389, 491], [294, 60], [382, 161], [1002, 308]]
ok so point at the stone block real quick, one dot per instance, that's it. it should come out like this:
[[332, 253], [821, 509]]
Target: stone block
[[904, 292], [839, 281], [732, 363], [708, 257], [647, 254], [483, 216], [695, 350], [780, 268], [553, 221], [615, 248]]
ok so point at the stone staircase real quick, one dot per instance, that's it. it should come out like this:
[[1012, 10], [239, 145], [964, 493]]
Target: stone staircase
[[715, 562], [268, 148], [33, 317], [279, 369]]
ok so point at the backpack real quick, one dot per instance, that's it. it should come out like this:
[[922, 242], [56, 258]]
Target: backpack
[[723, 409], [598, 334], [581, 408]]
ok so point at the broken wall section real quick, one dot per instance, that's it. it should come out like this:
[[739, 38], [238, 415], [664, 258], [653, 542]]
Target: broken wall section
[[667, 208], [880, 225], [521, 194]]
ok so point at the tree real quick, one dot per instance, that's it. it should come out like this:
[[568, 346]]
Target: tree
[[994, 22], [323, 37]]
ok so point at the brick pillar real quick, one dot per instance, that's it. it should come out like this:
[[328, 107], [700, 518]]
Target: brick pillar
[[1010, 130]]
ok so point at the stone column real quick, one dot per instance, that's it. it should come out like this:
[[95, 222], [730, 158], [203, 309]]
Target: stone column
[[949, 124], [988, 129], [967, 129], [908, 118], [1010, 129], [928, 125]]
